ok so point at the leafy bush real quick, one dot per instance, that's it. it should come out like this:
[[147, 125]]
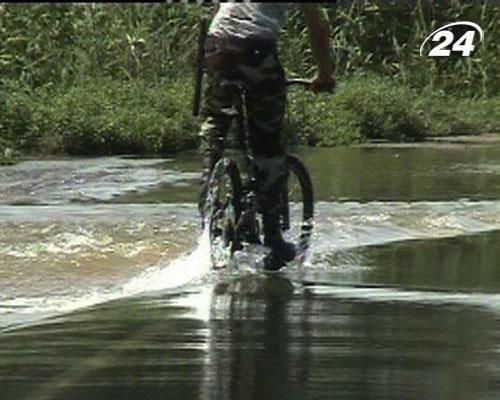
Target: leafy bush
[[372, 107], [114, 78], [16, 115], [101, 116], [364, 107], [447, 115], [107, 116]]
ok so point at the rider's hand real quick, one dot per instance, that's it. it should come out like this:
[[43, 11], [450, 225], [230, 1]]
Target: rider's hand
[[323, 84]]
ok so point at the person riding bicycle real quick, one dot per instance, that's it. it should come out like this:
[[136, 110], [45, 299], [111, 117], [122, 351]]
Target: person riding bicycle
[[241, 45]]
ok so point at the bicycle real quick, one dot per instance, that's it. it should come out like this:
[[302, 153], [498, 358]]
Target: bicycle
[[231, 203]]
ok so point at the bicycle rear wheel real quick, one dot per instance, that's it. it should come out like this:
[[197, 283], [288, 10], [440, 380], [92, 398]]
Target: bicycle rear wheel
[[298, 206], [224, 210]]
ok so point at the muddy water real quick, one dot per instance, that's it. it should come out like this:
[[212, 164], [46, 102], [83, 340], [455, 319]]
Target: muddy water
[[106, 291]]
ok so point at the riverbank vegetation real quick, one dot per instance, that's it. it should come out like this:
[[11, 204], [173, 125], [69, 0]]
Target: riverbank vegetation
[[89, 79]]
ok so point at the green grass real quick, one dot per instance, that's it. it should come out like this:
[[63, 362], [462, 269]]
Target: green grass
[[106, 116], [102, 116], [52, 44], [112, 79], [372, 107], [444, 114]]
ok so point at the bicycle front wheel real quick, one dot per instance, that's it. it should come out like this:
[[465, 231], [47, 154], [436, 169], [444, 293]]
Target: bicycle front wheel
[[298, 206], [224, 210]]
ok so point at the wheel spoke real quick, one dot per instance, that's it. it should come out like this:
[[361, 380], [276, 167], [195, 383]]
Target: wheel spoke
[[224, 212], [300, 205]]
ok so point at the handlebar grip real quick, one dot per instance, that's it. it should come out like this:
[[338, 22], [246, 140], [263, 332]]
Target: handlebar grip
[[298, 81], [328, 87]]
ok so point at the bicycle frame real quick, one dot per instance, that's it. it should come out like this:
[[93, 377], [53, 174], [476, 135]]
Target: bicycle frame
[[249, 199], [249, 204]]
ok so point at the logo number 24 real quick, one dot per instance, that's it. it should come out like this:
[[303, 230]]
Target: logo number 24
[[463, 45]]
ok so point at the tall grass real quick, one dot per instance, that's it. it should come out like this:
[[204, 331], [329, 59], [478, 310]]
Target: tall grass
[[384, 36], [44, 44], [101, 78]]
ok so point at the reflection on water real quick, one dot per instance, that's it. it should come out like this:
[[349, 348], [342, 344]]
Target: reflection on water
[[400, 298], [315, 346], [256, 340], [460, 263], [408, 173]]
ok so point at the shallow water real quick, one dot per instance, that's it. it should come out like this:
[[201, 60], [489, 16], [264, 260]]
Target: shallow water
[[106, 291]]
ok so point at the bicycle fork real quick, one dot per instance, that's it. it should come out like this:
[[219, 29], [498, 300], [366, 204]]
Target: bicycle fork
[[247, 229]]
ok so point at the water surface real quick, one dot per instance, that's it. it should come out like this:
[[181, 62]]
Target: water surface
[[106, 291]]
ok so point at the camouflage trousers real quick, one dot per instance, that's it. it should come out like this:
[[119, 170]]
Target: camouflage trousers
[[261, 72]]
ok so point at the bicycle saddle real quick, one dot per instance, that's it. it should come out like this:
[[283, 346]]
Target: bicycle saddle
[[233, 85], [237, 88]]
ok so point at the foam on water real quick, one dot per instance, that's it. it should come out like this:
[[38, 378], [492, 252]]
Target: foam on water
[[97, 179], [187, 269], [182, 271], [339, 227], [347, 225]]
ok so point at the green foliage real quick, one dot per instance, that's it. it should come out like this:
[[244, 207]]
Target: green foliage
[[43, 44], [102, 116], [105, 117], [362, 108], [106, 78], [385, 36], [371, 107], [16, 116], [7, 155], [444, 114], [318, 120], [382, 107]]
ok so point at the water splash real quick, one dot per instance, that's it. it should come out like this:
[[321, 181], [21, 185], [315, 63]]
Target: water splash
[[87, 180], [187, 269], [340, 228], [180, 272]]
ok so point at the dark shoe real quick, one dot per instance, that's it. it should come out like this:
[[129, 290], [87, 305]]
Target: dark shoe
[[251, 237], [281, 250], [271, 263]]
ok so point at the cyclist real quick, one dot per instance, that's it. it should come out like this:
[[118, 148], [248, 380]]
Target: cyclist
[[241, 45]]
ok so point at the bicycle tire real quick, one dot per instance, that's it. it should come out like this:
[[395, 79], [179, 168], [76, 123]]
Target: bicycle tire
[[297, 225], [224, 210]]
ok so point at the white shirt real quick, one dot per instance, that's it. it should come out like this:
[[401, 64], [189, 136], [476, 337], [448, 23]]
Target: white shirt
[[249, 20]]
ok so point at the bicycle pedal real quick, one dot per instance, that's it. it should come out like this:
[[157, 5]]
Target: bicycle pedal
[[273, 263], [252, 238], [230, 112]]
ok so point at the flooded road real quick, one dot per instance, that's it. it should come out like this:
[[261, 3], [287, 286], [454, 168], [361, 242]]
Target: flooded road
[[106, 291]]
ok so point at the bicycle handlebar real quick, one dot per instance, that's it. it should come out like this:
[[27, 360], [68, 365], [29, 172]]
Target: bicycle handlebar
[[307, 84], [289, 82], [298, 81]]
